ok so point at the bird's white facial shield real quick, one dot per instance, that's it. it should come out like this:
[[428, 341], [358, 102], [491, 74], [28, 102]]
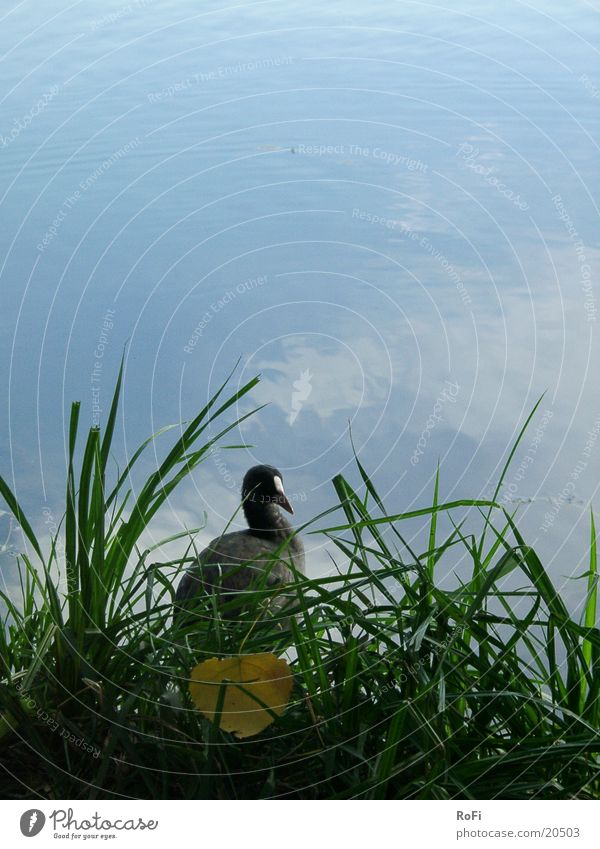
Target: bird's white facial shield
[[282, 498]]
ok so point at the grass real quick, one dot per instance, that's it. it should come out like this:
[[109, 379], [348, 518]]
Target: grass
[[402, 689]]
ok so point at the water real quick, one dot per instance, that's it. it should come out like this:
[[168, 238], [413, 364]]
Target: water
[[388, 210]]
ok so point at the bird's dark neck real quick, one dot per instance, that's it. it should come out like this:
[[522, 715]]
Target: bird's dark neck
[[266, 520]]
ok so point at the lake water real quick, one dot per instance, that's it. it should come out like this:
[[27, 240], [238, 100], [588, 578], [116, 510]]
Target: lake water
[[389, 210]]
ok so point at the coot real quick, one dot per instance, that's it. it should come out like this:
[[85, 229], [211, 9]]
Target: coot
[[234, 561]]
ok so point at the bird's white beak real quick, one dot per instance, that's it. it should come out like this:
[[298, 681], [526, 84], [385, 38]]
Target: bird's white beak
[[282, 498]]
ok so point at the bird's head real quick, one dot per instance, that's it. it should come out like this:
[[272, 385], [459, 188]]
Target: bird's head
[[264, 485]]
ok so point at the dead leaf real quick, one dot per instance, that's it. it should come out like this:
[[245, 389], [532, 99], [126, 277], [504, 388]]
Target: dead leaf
[[256, 687]]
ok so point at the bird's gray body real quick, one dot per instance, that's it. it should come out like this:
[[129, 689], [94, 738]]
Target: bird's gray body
[[219, 566]]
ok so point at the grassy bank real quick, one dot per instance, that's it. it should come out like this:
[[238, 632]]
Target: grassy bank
[[401, 689]]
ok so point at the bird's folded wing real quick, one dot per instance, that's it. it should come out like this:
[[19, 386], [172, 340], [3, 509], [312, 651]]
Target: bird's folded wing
[[232, 563]]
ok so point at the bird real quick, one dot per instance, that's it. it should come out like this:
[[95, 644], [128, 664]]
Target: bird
[[233, 562]]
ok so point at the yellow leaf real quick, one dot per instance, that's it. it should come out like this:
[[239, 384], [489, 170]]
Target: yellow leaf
[[251, 683]]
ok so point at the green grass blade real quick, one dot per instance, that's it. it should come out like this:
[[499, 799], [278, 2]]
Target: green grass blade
[[592, 590], [112, 418], [507, 465], [15, 508]]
